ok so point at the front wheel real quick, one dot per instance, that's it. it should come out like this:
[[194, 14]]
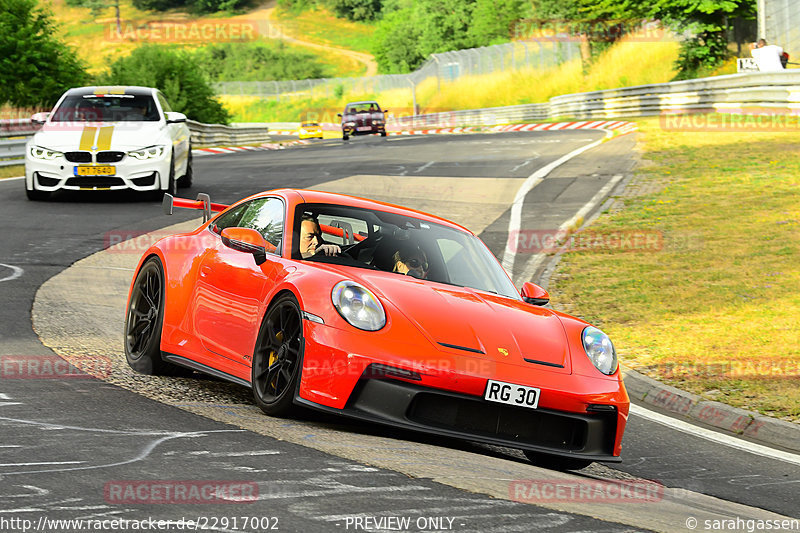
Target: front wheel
[[186, 180], [277, 357], [34, 195], [345, 136], [556, 462], [144, 320]]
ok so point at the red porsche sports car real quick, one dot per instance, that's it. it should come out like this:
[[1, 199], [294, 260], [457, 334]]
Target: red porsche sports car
[[377, 312]]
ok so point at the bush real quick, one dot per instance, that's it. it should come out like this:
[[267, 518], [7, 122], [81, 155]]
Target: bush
[[35, 67], [357, 9], [257, 61], [177, 74]]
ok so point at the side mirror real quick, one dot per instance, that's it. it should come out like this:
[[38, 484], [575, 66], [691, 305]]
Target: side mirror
[[174, 117], [39, 118], [246, 240], [339, 115], [534, 294]]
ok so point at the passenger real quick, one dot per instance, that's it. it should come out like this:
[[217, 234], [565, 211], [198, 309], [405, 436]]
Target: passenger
[[411, 261], [311, 242]]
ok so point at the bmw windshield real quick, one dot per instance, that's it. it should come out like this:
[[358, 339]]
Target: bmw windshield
[[106, 108]]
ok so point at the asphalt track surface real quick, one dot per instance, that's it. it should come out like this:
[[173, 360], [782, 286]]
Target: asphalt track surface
[[65, 441]]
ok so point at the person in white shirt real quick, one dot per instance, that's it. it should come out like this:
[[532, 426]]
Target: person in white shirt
[[767, 56]]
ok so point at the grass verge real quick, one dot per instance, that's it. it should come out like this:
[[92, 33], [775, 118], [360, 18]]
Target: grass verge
[[12, 171], [713, 309]]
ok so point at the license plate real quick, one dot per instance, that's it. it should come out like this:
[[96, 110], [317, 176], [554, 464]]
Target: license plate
[[95, 171], [512, 394], [364, 128]]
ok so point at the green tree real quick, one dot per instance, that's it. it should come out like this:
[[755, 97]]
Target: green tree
[[179, 76], [35, 67], [493, 21], [357, 9]]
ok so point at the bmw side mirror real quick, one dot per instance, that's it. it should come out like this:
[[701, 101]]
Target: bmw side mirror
[[174, 117], [534, 294], [39, 118], [246, 240]]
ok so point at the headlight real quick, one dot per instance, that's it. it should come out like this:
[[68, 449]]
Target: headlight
[[151, 152], [600, 350], [358, 306], [349, 123], [303, 132], [37, 152]]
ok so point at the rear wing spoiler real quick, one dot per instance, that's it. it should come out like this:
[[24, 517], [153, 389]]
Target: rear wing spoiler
[[203, 202]]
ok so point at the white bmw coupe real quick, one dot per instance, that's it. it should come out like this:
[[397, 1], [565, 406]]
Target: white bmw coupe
[[109, 138]]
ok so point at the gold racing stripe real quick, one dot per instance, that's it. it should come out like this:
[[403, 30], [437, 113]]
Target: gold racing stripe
[[87, 138], [104, 137], [99, 91]]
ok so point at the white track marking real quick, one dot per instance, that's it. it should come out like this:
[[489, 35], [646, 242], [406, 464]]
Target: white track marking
[[713, 436], [533, 180], [12, 179], [15, 272]]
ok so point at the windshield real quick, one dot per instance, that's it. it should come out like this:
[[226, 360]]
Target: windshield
[[106, 108], [395, 243]]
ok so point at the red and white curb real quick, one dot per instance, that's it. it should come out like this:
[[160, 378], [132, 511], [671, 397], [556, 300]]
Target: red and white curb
[[620, 127]]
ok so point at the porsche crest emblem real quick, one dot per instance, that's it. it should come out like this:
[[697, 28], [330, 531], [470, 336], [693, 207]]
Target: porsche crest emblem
[[503, 352]]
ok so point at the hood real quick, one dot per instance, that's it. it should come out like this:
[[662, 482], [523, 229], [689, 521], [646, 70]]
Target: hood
[[471, 323], [69, 136]]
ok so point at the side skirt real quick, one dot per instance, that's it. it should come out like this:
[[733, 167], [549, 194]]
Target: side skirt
[[194, 365]]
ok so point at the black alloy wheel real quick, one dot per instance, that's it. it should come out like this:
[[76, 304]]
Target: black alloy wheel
[[144, 320], [278, 356]]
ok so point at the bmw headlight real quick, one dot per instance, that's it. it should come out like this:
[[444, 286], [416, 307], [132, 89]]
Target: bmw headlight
[[358, 306], [37, 152], [151, 152], [600, 350], [349, 123]]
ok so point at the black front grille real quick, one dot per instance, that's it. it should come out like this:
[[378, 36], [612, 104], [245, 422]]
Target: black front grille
[[110, 157], [95, 181], [528, 426], [78, 157]]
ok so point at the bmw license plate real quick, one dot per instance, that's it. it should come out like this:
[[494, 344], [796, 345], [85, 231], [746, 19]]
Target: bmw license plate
[[512, 394], [364, 128], [84, 170]]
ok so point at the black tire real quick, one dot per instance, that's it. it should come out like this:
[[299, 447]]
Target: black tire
[[185, 181], [172, 185], [345, 136], [277, 357], [383, 134], [556, 462], [37, 196], [34, 195], [144, 320]]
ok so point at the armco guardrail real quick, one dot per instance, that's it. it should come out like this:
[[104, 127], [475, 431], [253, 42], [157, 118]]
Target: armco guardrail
[[776, 90], [215, 134], [15, 133]]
